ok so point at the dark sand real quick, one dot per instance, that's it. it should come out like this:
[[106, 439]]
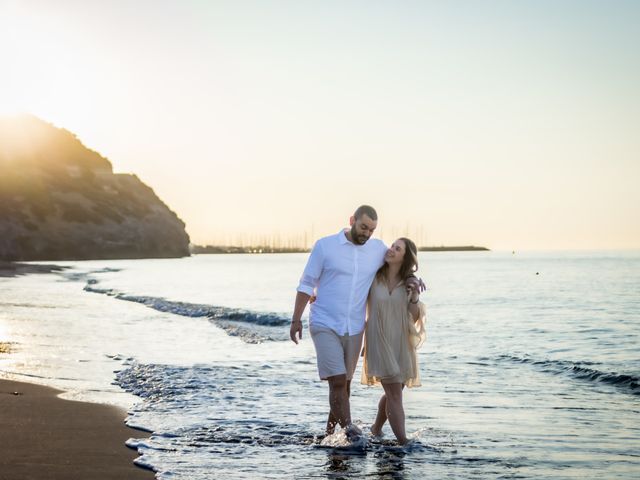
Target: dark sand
[[45, 437], [13, 269]]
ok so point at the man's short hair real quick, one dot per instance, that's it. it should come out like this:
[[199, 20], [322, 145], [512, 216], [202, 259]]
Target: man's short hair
[[366, 210]]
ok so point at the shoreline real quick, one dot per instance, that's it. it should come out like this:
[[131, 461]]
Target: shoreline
[[13, 269], [45, 436]]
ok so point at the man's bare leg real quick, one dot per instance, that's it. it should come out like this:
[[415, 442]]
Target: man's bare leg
[[332, 421], [340, 409]]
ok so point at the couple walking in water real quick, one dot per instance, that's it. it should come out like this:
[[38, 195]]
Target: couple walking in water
[[360, 288]]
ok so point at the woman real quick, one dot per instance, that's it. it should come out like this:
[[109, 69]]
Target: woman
[[394, 330]]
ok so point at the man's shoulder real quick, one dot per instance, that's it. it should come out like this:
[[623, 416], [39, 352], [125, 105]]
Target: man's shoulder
[[377, 244], [334, 238], [377, 241], [325, 244]]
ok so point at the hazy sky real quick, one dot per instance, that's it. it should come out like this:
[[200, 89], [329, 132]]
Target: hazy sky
[[509, 124]]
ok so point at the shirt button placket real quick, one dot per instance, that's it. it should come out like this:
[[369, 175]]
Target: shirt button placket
[[354, 282]]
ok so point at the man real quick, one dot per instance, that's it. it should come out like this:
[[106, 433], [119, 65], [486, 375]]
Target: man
[[339, 272]]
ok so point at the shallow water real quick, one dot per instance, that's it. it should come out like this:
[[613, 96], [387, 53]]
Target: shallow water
[[531, 367]]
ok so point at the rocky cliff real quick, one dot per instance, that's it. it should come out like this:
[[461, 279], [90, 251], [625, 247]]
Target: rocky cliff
[[60, 200]]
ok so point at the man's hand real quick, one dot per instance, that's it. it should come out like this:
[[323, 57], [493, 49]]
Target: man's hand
[[415, 283], [295, 332]]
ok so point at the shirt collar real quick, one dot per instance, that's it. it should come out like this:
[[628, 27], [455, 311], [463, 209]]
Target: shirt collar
[[342, 237]]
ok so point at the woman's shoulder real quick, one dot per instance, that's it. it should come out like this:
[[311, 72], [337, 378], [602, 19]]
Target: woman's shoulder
[[377, 284]]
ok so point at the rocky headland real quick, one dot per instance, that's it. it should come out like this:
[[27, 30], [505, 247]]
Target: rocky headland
[[60, 200]]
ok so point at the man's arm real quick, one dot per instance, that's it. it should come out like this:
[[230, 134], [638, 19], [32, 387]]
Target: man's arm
[[295, 331], [414, 285], [306, 288], [415, 282]]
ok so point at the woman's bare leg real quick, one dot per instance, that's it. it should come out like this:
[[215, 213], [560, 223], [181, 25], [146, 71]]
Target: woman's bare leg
[[381, 417], [395, 410]]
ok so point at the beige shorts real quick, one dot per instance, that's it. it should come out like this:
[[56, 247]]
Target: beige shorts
[[336, 355]]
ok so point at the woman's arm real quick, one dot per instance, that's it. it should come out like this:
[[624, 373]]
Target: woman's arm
[[414, 301]]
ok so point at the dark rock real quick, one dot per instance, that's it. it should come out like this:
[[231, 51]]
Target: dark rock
[[60, 200]]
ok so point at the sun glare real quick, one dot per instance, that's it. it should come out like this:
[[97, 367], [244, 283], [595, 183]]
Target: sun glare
[[18, 133], [43, 73]]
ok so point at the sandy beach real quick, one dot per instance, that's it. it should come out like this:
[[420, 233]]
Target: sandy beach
[[44, 436], [13, 269]]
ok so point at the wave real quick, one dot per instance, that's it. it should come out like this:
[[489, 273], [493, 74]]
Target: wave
[[78, 276], [251, 327], [205, 409], [583, 371], [187, 309]]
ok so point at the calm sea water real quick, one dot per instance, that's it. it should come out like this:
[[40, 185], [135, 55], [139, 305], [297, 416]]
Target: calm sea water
[[531, 367]]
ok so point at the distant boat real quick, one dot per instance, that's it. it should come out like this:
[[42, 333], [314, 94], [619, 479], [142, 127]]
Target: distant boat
[[208, 249], [466, 248]]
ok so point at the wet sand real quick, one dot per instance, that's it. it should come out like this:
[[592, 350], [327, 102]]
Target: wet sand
[[13, 269], [43, 436]]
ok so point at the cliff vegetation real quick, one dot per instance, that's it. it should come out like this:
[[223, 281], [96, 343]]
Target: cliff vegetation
[[60, 200]]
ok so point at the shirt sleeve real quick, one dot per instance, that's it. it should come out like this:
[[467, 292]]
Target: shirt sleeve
[[312, 272], [383, 251]]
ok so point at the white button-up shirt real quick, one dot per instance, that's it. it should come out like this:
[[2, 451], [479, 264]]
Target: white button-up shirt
[[340, 273]]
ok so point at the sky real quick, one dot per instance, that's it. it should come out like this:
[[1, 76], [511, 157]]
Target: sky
[[512, 125]]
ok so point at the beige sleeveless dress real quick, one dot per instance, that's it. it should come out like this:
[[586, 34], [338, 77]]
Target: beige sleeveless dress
[[391, 337]]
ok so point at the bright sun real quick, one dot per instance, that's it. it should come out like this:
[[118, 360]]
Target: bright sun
[[44, 72]]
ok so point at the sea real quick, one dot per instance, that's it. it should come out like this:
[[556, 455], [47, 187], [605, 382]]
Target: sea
[[531, 368]]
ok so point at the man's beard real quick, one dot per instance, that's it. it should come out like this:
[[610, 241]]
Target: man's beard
[[358, 239]]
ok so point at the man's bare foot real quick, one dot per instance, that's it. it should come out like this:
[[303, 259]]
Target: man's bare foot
[[352, 432]]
